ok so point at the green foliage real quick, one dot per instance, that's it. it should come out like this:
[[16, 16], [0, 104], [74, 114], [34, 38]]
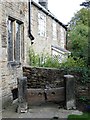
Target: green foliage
[[81, 74], [81, 17], [34, 60], [78, 68], [84, 99], [79, 43], [51, 62], [72, 62], [78, 34], [42, 61]]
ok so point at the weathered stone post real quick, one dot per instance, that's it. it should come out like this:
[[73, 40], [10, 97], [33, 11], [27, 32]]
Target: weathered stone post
[[70, 91], [22, 94]]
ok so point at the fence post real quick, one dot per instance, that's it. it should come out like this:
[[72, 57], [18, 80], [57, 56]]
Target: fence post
[[69, 91], [22, 94]]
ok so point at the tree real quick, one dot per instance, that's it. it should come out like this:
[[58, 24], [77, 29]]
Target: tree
[[78, 34], [85, 4]]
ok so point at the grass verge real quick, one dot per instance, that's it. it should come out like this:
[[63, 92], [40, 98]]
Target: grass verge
[[84, 116]]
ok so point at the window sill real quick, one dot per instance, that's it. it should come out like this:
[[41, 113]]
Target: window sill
[[14, 63]]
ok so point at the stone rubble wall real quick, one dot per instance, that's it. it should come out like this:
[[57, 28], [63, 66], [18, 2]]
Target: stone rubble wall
[[49, 85], [83, 90], [44, 84], [39, 77]]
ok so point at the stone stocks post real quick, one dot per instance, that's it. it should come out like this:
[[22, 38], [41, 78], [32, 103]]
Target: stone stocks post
[[70, 91], [22, 94]]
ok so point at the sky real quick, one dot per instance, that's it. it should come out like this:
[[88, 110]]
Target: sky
[[64, 9]]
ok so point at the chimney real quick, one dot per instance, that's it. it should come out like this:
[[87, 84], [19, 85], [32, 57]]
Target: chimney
[[44, 3]]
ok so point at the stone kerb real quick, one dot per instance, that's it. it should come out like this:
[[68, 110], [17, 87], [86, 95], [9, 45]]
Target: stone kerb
[[70, 91]]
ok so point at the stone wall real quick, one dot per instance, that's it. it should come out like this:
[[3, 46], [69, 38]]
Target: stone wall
[[44, 84], [8, 72], [83, 90], [42, 77]]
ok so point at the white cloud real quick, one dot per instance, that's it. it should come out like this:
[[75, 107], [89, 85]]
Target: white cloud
[[64, 9]]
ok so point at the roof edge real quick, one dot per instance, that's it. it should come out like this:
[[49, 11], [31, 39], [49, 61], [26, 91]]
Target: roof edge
[[60, 49], [48, 13]]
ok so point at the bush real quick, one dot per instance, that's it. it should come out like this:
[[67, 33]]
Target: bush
[[73, 62], [34, 60], [78, 68], [50, 62], [42, 61], [81, 74]]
